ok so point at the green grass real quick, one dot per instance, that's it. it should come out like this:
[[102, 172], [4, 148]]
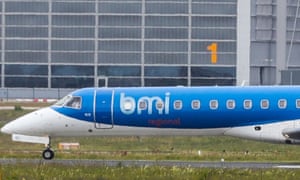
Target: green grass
[[8, 115], [42, 171], [29, 104], [157, 148]]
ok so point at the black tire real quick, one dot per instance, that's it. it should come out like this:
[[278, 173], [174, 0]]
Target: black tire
[[48, 154]]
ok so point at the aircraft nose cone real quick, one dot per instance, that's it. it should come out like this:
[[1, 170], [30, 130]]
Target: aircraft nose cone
[[6, 129]]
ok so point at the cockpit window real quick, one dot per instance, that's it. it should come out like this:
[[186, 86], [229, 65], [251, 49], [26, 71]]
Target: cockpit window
[[74, 102], [70, 101], [63, 101]]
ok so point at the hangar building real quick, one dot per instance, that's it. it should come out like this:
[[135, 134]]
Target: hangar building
[[81, 43]]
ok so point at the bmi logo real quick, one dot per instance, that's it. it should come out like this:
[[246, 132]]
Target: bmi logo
[[129, 104]]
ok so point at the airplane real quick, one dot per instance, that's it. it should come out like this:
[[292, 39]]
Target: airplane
[[264, 113]]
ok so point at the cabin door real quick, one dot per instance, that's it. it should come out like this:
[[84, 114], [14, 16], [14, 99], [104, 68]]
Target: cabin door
[[103, 111]]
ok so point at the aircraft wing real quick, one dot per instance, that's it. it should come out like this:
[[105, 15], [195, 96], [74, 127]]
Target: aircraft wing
[[293, 133]]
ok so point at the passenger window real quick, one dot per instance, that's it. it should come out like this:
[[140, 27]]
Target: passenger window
[[298, 103], [177, 105], [230, 104], [159, 105], [128, 105], [74, 102], [213, 104], [264, 104], [282, 103], [247, 104], [195, 104], [142, 105]]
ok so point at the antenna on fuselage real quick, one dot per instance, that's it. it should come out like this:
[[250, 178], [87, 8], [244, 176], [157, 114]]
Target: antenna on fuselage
[[243, 83]]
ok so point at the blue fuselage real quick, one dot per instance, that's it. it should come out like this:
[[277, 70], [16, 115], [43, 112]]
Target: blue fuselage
[[186, 107]]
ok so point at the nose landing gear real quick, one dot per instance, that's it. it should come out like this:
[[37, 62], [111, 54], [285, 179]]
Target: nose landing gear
[[48, 153]]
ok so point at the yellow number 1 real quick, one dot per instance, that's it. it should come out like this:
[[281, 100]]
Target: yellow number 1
[[213, 48]]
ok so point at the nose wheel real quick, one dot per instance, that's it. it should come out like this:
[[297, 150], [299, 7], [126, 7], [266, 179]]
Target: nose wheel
[[48, 154]]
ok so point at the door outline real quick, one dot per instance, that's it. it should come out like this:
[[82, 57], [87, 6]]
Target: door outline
[[100, 125]]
